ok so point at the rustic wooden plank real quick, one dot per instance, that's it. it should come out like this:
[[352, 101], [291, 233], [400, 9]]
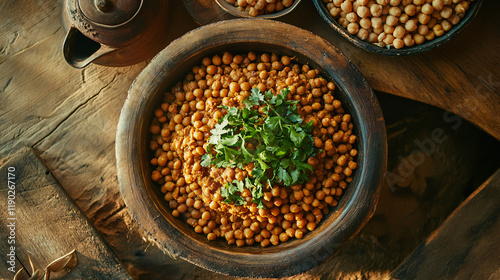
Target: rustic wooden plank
[[466, 245], [20, 32], [39, 89], [44, 221]]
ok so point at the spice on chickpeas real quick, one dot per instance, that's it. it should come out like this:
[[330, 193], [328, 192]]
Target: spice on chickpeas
[[396, 23], [183, 125]]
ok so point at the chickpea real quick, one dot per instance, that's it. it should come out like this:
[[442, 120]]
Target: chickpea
[[438, 4], [411, 25], [376, 10], [454, 19], [351, 17], [346, 6], [399, 32], [353, 28], [423, 29], [446, 25], [363, 12], [438, 30], [365, 23], [430, 35], [446, 12], [404, 18], [462, 7], [376, 22], [387, 30], [423, 18], [410, 10], [427, 9], [363, 34], [372, 38], [395, 11], [389, 39], [419, 39]]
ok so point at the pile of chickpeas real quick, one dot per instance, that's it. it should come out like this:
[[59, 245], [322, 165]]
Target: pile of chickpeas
[[181, 128], [259, 7], [397, 23]]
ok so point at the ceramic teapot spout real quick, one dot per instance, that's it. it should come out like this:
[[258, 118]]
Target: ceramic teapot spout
[[79, 50]]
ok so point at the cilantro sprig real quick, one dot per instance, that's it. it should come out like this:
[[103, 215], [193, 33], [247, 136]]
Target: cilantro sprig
[[276, 141]]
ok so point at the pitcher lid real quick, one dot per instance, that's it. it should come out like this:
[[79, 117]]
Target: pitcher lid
[[109, 12]]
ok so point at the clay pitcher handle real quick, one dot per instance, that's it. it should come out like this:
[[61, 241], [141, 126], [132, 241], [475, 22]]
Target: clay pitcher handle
[[79, 50]]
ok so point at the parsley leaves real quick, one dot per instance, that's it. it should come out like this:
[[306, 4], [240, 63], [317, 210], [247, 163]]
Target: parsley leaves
[[276, 141]]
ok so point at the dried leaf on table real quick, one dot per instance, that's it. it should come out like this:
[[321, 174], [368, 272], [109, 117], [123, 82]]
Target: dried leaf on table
[[67, 261]]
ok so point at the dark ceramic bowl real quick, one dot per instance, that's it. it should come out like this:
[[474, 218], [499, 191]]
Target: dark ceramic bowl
[[145, 201], [231, 9], [426, 46]]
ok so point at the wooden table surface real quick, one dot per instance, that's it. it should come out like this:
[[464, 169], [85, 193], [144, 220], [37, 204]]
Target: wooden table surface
[[69, 116]]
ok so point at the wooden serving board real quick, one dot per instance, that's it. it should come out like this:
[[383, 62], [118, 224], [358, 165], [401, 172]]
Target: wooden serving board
[[44, 222], [466, 245]]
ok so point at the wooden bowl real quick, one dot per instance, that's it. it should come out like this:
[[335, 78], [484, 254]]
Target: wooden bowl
[[426, 46], [231, 9], [145, 201]]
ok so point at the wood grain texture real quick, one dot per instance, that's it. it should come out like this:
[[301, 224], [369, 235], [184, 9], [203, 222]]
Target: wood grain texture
[[461, 76], [43, 214], [466, 245], [70, 116]]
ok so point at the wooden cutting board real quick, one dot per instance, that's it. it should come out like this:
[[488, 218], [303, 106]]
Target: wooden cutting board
[[466, 245], [39, 218]]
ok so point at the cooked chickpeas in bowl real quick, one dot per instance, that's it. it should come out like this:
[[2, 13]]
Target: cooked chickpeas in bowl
[[398, 27], [248, 153], [258, 8], [252, 148]]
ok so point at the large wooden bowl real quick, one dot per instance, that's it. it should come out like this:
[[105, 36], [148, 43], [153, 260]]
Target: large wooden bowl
[[426, 46], [145, 201]]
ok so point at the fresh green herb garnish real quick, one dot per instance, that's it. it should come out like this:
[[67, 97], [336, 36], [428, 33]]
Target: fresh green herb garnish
[[277, 141]]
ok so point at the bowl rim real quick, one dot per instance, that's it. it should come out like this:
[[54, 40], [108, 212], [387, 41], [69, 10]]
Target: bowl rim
[[416, 49], [229, 8], [263, 262]]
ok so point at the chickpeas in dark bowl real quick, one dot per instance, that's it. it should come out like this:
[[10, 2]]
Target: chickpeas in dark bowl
[[249, 155], [398, 27]]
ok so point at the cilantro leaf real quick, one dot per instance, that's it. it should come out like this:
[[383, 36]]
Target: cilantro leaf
[[295, 174], [296, 137], [256, 96], [283, 176], [206, 160], [230, 141], [275, 139]]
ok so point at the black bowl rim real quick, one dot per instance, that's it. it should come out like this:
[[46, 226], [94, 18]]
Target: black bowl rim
[[308, 253], [416, 49]]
